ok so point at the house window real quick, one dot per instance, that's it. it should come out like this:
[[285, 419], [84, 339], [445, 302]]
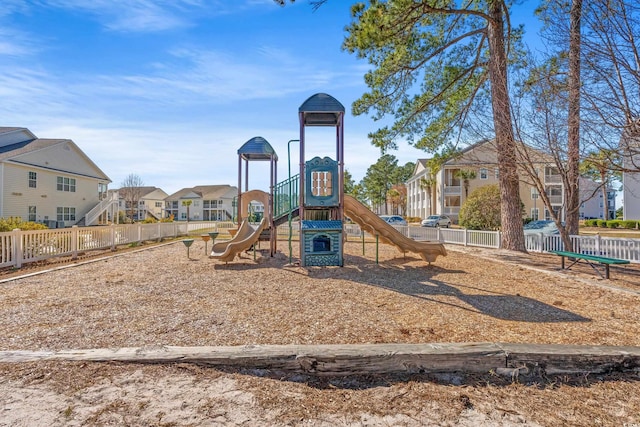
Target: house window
[[497, 173], [484, 173], [33, 179], [158, 204], [66, 184], [183, 215], [534, 214], [32, 213], [66, 213], [196, 203]]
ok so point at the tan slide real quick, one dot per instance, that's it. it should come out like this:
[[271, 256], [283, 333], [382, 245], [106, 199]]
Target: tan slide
[[246, 237], [373, 224]]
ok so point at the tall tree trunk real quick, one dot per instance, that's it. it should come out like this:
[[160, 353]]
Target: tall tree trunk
[[605, 200], [572, 190], [434, 196], [510, 212]]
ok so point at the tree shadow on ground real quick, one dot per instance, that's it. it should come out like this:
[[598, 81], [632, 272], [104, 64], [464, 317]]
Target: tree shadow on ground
[[421, 282]]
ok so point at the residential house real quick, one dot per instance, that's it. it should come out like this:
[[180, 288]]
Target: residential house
[[630, 146], [208, 203], [150, 202], [49, 180], [418, 202], [450, 189], [594, 203]]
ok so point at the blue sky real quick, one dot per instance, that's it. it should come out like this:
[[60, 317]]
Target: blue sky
[[169, 90]]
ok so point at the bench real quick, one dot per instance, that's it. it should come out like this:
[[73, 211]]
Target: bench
[[590, 259]]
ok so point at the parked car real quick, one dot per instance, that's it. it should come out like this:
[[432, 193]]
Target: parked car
[[541, 226], [394, 219], [437, 221]]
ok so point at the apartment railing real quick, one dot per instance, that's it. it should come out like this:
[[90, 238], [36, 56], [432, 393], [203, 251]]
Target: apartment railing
[[555, 200], [451, 210], [552, 179], [452, 189], [91, 218], [19, 247]]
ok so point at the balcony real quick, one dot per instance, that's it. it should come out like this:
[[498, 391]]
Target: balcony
[[553, 179], [555, 200], [452, 210], [453, 189]]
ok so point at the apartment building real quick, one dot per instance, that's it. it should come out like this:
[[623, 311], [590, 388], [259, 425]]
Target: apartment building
[[477, 165], [202, 203], [51, 181]]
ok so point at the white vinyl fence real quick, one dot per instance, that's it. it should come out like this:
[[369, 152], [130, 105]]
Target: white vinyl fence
[[18, 247]]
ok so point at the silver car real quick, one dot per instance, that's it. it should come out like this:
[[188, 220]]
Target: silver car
[[437, 221]]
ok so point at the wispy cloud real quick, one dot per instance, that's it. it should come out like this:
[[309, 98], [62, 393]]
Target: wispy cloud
[[150, 15], [195, 76]]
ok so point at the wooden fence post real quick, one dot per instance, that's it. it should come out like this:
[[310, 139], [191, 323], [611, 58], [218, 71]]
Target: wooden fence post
[[112, 236], [17, 245], [74, 242]]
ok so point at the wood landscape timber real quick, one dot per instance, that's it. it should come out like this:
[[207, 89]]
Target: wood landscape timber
[[359, 359]]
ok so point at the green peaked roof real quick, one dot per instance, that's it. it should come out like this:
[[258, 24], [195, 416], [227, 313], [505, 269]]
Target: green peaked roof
[[257, 148], [321, 109]]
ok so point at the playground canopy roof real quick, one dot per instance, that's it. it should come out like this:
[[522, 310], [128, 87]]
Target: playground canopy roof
[[321, 109], [257, 148]]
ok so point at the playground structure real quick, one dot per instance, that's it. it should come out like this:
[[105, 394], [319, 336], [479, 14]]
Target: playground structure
[[315, 195]]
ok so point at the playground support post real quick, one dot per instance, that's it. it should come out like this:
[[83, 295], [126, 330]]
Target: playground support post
[[290, 205]]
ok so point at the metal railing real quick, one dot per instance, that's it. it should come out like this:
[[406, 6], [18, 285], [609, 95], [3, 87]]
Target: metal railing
[[283, 202]]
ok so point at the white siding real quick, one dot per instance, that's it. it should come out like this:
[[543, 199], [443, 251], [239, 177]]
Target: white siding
[[62, 156], [18, 196]]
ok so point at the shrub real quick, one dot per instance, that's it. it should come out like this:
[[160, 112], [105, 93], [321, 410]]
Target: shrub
[[614, 223], [167, 219], [481, 211], [630, 224], [601, 223], [591, 222], [149, 221], [11, 223]]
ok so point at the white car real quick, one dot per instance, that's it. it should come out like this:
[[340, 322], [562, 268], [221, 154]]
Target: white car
[[541, 226], [437, 221], [394, 219]]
